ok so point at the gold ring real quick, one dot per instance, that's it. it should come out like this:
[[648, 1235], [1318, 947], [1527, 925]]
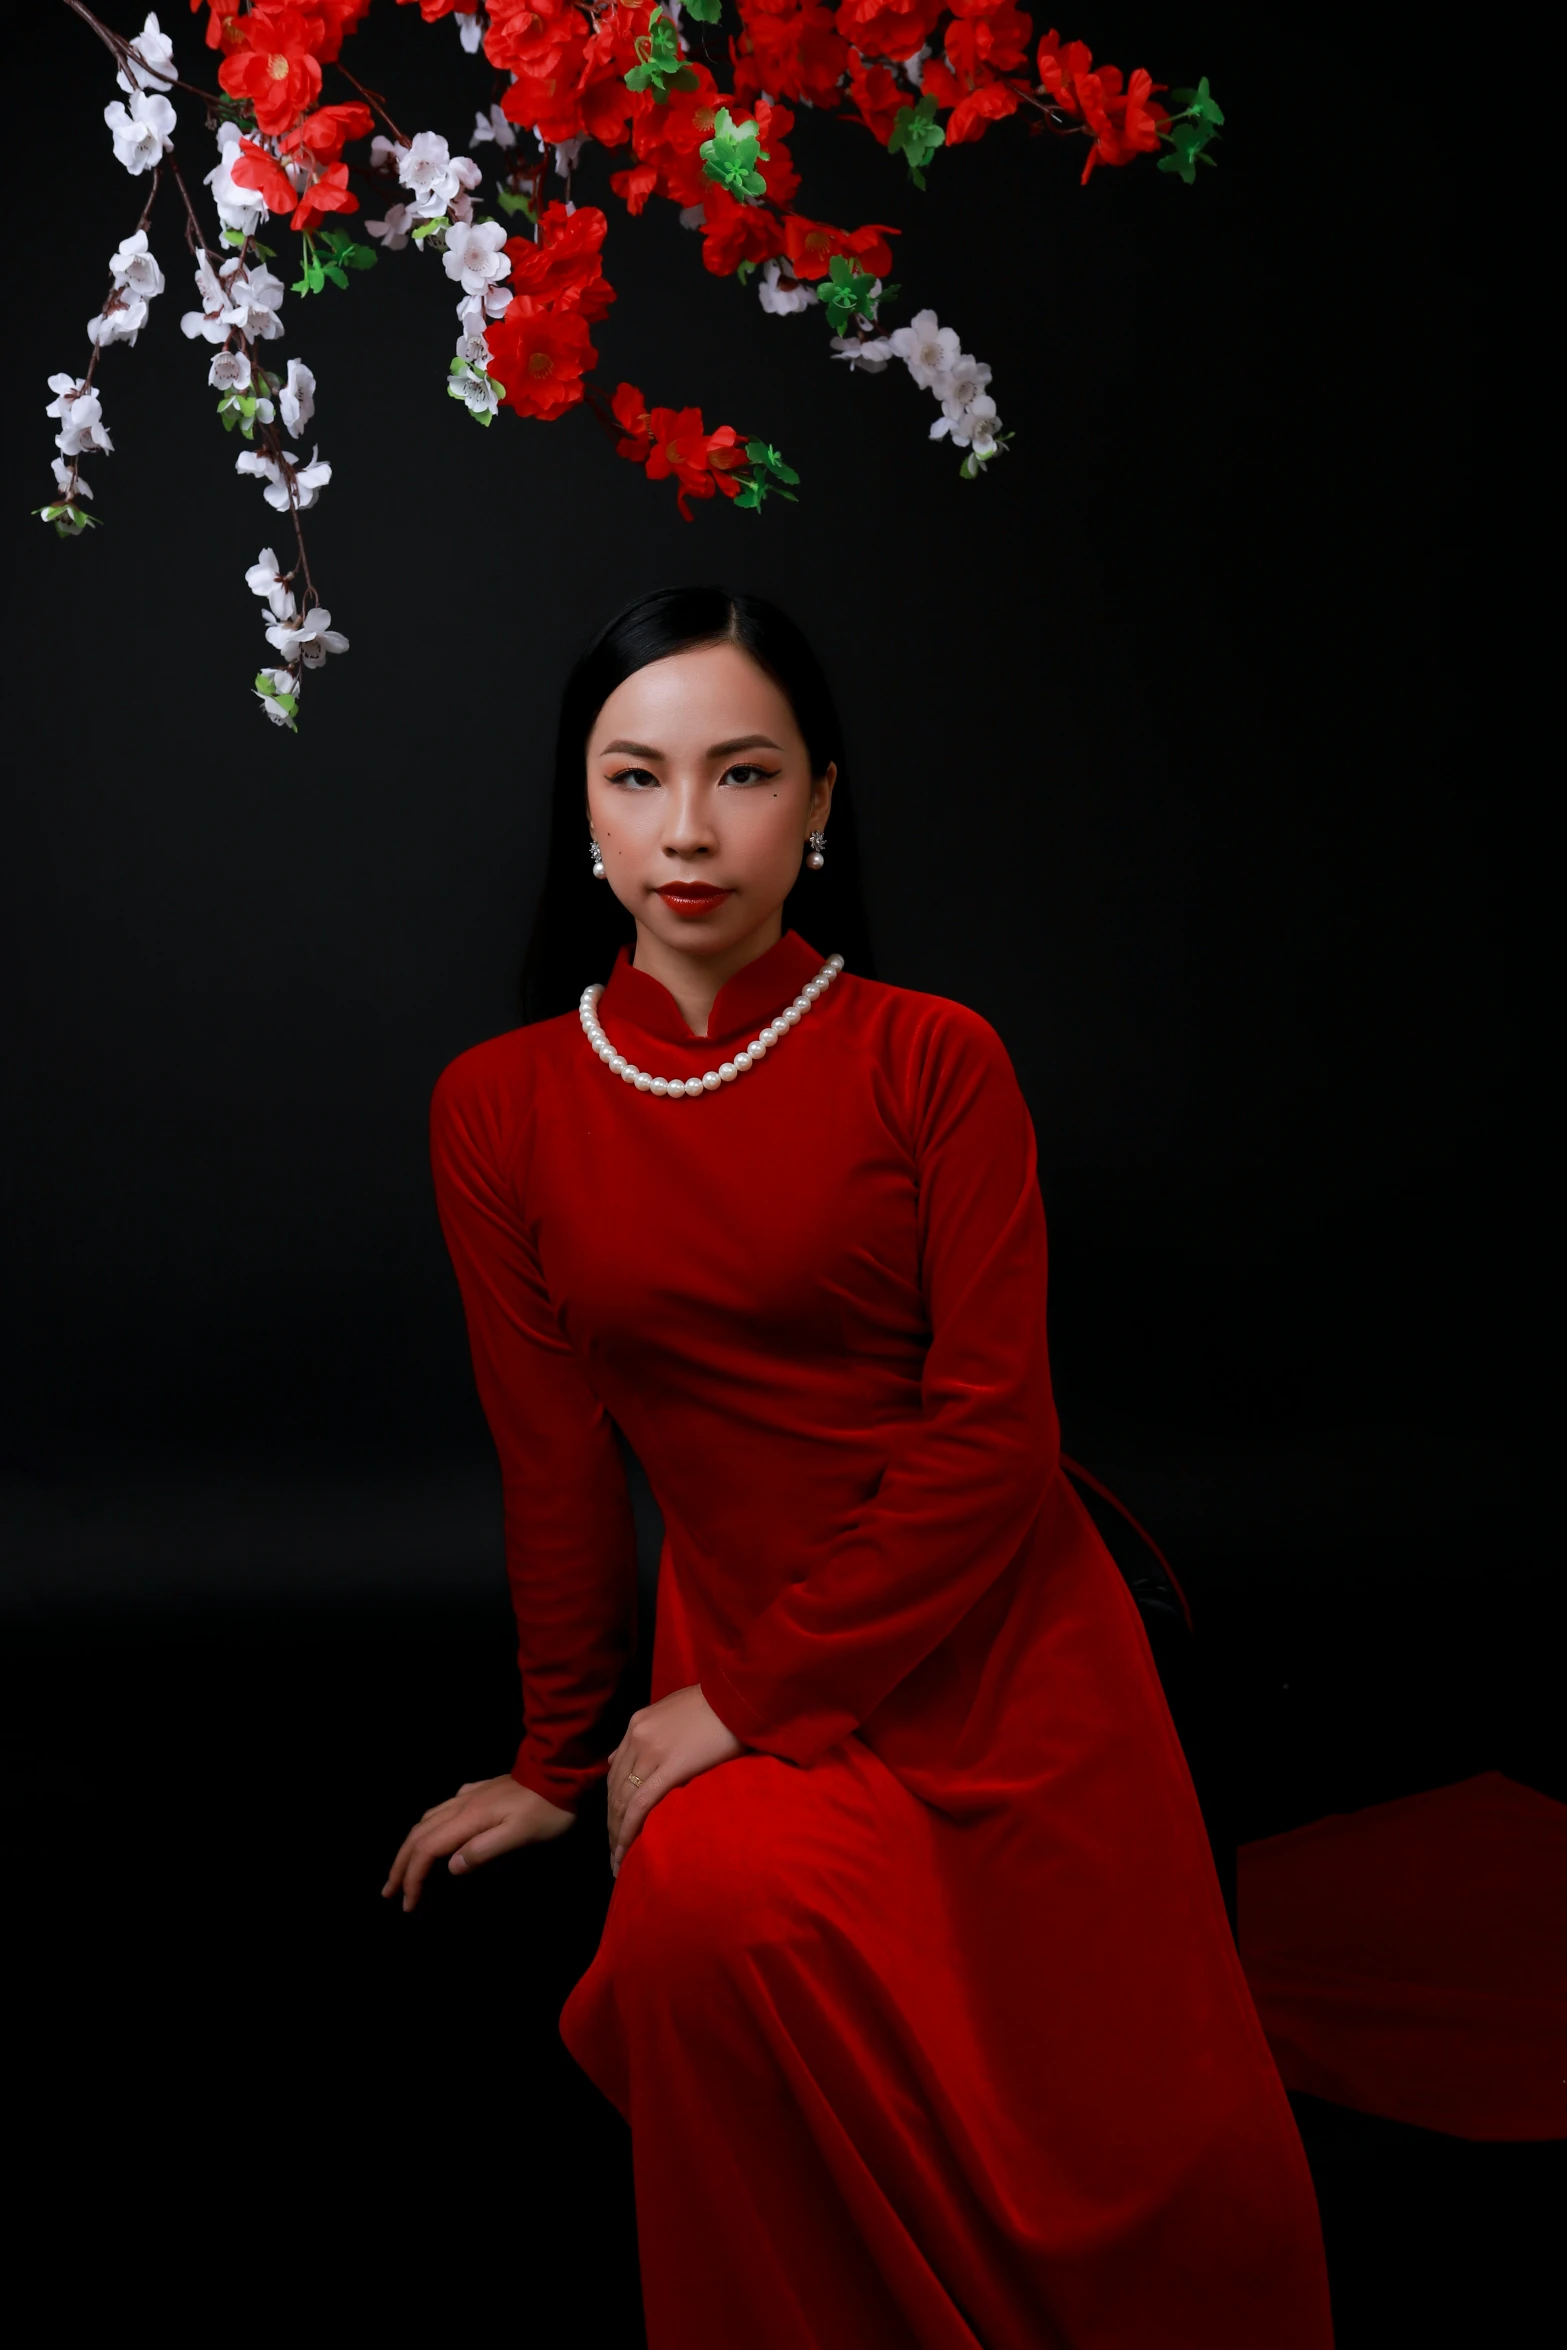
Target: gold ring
[[633, 1779]]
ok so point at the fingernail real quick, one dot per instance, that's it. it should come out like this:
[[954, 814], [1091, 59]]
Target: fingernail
[[407, 1905], [458, 1864]]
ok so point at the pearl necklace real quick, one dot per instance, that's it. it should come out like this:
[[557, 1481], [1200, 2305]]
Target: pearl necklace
[[687, 1088]]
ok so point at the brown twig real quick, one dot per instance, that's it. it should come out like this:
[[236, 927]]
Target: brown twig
[[372, 99], [127, 52]]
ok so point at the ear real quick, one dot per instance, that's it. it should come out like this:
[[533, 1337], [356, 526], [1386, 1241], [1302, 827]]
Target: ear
[[821, 796]]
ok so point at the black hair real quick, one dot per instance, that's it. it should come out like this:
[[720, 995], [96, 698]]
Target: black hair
[[580, 924]]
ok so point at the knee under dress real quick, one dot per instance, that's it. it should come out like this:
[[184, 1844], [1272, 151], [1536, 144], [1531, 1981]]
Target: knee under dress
[[924, 2011]]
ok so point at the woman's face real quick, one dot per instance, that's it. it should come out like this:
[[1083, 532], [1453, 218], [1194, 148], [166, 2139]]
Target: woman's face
[[700, 796]]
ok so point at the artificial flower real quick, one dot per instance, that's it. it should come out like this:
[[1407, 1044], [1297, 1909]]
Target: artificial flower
[[297, 397], [141, 131], [134, 266], [81, 417], [276, 68], [264, 579], [475, 255], [308, 640], [152, 68], [541, 356]]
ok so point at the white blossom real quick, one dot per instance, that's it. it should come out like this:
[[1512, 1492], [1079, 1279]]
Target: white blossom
[[396, 228], [492, 128], [308, 640], [781, 301], [309, 480], [427, 169], [386, 154], [693, 215], [470, 29], [230, 371], [960, 385], [926, 347], [264, 579], [134, 267], [983, 440], [81, 417], [120, 321], [62, 480], [475, 255], [297, 398], [963, 423], [568, 151], [156, 52], [282, 681], [871, 357], [478, 393], [471, 345], [253, 296], [914, 66], [238, 208], [209, 320], [141, 131]]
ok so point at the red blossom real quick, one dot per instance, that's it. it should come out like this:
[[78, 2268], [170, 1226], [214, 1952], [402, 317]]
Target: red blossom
[[630, 412], [813, 246], [1124, 122], [735, 232], [325, 133], [277, 69], [888, 28], [254, 168], [562, 271], [675, 444], [975, 108], [987, 35], [877, 94], [792, 50], [540, 356], [330, 193]]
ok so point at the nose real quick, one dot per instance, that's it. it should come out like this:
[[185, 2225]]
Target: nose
[[689, 831]]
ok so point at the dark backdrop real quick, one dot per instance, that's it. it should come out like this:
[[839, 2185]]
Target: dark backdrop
[[1175, 748]]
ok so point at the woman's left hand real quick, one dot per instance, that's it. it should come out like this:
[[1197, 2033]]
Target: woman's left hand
[[665, 1744]]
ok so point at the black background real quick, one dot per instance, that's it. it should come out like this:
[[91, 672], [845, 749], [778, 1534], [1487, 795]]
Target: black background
[[1174, 745]]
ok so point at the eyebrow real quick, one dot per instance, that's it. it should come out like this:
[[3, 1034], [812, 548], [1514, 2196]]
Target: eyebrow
[[741, 742]]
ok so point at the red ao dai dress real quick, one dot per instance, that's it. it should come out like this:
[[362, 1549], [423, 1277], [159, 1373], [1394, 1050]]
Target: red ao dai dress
[[924, 2011]]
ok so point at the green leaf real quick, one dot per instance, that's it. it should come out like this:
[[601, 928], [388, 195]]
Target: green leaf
[[762, 453], [1200, 104], [731, 155], [916, 134], [660, 67], [745, 269], [705, 11], [845, 293], [234, 236], [510, 201], [427, 228]]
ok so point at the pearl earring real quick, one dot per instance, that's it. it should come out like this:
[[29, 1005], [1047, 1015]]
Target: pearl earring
[[817, 844], [597, 855]]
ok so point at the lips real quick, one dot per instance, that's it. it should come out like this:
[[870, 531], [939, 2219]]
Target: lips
[[692, 897]]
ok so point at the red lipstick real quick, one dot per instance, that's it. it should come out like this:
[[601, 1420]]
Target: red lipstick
[[690, 898]]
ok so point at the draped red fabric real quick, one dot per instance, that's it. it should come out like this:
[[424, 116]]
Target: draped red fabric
[[1411, 1959], [924, 2011]]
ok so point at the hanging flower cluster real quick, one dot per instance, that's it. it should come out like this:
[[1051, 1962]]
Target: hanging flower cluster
[[647, 83]]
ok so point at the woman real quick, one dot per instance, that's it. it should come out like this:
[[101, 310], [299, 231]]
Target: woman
[[919, 1994]]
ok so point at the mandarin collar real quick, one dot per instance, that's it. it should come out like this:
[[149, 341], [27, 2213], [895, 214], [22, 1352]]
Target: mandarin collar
[[754, 996]]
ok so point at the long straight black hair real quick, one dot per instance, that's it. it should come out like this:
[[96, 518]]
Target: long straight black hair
[[580, 925]]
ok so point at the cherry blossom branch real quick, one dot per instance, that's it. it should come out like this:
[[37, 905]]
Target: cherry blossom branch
[[126, 52], [372, 99], [268, 435], [74, 490]]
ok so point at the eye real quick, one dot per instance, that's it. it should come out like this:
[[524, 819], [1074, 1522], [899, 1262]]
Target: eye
[[749, 774], [634, 778]]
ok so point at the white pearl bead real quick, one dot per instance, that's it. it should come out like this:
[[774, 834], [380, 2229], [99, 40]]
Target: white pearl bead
[[643, 1082], [711, 1081], [836, 962], [660, 1085], [744, 1061], [728, 1072], [619, 1064], [802, 1003], [687, 1088], [756, 1050], [693, 1088]]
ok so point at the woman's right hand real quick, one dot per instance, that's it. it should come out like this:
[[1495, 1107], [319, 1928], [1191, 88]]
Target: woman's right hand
[[483, 1818]]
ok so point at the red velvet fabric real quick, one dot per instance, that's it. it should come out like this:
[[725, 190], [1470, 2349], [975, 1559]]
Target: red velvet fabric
[[924, 2012], [1411, 1959]]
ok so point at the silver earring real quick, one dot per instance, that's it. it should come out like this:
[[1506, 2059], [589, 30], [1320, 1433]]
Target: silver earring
[[817, 844], [597, 855]]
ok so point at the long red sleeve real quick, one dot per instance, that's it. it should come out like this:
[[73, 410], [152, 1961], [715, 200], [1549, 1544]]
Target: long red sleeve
[[570, 1545], [964, 1481]]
